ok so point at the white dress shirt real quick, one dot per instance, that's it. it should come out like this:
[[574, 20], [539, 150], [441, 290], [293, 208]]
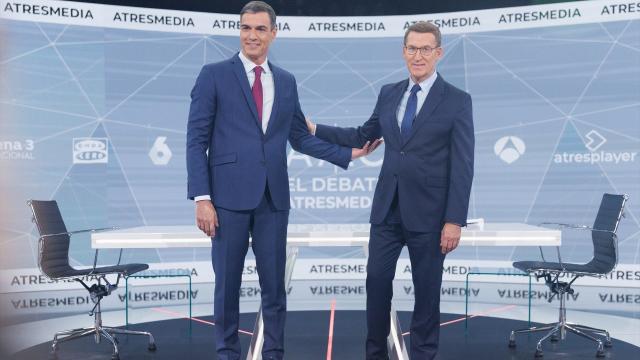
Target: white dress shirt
[[268, 90], [425, 86], [268, 94]]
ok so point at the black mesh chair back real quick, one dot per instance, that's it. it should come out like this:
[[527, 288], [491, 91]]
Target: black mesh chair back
[[605, 252], [53, 250]]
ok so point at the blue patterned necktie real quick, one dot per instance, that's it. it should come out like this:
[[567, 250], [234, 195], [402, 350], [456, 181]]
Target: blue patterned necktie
[[409, 113]]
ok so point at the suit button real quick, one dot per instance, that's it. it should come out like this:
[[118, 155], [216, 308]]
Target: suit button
[[402, 153]]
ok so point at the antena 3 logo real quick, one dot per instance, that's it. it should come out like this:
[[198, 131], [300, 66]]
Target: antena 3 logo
[[509, 148], [90, 150], [17, 149], [593, 141]]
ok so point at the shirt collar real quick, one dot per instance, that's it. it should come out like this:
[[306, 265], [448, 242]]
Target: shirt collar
[[249, 65], [426, 84]]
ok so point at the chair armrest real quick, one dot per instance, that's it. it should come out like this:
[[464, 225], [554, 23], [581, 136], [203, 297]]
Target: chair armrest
[[561, 226], [71, 233], [573, 227], [577, 227], [567, 226]]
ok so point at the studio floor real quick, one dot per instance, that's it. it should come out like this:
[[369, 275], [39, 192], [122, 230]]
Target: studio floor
[[326, 328]]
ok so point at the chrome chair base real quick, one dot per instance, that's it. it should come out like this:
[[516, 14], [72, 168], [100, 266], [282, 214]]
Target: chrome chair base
[[557, 331], [98, 332]]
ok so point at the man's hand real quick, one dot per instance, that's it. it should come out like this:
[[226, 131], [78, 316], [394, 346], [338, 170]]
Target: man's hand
[[311, 126], [450, 237], [206, 217], [367, 149]]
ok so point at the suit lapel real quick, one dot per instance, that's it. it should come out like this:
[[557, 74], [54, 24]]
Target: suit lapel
[[243, 80], [398, 92], [277, 93], [430, 103]]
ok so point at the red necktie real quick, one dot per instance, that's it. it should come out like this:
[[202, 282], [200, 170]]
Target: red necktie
[[256, 90]]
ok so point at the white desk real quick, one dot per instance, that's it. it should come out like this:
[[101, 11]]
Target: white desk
[[491, 234], [496, 234]]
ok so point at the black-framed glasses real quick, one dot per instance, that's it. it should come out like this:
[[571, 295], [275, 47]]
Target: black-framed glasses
[[424, 51]]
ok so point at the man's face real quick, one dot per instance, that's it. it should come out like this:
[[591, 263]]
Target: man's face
[[421, 66], [256, 35]]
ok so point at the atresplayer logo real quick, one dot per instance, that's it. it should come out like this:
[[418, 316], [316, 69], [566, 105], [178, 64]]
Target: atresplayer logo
[[593, 142], [90, 150], [509, 148]]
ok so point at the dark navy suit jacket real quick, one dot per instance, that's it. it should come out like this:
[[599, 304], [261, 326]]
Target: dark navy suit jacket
[[431, 171], [228, 155]]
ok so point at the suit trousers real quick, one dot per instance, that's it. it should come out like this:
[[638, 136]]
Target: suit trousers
[[268, 229], [385, 244]]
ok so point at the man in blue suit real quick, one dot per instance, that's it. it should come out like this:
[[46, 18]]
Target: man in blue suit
[[243, 111], [422, 195]]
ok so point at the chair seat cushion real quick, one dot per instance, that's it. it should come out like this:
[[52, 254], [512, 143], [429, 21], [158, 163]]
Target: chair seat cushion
[[531, 266], [125, 269]]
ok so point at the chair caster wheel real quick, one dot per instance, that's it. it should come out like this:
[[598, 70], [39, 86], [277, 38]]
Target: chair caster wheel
[[512, 344], [152, 347], [600, 354], [554, 338], [538, 354], [53, 354], [608, 343]]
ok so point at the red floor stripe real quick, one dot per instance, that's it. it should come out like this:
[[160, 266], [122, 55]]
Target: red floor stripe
[[494, 310], [331, 320], [196, 319]]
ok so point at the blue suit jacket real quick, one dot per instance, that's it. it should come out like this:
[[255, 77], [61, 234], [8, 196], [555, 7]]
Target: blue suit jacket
[[432, 171], [228, 156]]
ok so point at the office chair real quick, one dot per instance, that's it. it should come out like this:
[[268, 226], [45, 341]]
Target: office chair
[[605, 259], [53, 261]]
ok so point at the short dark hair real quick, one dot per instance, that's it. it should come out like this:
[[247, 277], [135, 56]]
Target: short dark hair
[[424, 27], [253, 7]]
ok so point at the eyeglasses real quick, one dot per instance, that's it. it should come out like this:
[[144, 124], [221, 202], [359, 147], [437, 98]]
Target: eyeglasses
[[424, 51]]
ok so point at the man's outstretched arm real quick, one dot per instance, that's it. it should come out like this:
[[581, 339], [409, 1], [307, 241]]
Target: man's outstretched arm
[[351, 137], [302, 141]]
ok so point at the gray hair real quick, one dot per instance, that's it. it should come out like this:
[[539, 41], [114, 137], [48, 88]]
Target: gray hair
[[424, 27], [253, 7]]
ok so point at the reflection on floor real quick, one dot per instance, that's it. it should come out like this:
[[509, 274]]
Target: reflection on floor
[[486, 334]]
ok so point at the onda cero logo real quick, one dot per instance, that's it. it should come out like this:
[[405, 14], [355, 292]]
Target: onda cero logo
[[90, 150]]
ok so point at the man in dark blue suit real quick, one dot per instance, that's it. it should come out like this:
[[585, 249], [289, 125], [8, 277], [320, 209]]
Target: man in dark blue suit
[[422, 195], [243, 111]]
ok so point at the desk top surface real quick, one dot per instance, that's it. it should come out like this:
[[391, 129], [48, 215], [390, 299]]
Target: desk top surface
[[489, 234]]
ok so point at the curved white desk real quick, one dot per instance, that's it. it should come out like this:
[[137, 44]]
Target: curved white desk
[[490, 234]]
